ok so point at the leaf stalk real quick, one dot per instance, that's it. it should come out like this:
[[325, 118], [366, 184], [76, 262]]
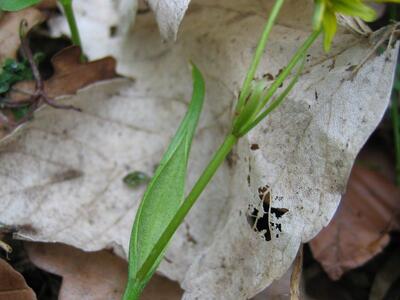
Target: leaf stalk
[[183, 210], [69, 14], [258, 54]]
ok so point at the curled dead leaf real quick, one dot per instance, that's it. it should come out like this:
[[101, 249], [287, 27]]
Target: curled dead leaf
[[9, 34], [13, 285], [361, 226]]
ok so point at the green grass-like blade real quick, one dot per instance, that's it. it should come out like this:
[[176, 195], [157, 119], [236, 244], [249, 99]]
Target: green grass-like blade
[[164, 193], [14, 5]]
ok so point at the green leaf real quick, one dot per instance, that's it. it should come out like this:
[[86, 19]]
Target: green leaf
[[164, 193], [20, 112], [251, 107], [354, 8], [14, 5], [135, 179], [330, 28], [319, 11], [12, 72]]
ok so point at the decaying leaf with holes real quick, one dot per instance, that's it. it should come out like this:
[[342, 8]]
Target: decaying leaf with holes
[[304, 151]]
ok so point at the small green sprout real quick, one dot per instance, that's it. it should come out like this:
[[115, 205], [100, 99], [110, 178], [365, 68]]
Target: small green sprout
[[135, 179], [13, 71], [326, 10]]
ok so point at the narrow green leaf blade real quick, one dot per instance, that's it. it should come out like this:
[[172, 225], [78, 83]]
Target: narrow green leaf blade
[[14, 5], [164, 193]]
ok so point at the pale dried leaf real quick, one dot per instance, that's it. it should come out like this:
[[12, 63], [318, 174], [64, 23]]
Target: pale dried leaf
[[13, 285], [9, 33], [278, 290], [169, 15], [360, 228], [304, 151], [98, 21]]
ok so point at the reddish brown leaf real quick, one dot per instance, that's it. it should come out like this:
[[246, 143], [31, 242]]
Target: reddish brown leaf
[[94, 276], [47, 4], [9, 33], [13, 285], [359, 230]]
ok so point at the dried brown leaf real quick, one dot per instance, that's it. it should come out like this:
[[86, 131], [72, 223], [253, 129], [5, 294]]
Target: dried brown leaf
[[13, 285], [9, 33], [93, 275], [359, 230], [70, 74], [47, 4]]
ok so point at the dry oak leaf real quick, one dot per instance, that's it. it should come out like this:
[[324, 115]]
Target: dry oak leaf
[[361, 225], [13, 285], [305, 148], [9, 30], [97, 275], [70, 75]]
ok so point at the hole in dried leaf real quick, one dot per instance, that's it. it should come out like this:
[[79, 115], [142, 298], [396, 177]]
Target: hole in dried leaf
[[254, 147], [113, 31], [260, 221], [268, 76]]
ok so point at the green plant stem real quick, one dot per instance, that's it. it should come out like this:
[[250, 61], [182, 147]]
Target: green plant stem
[[396, 130], [183, 210], [281, 78], [69, 13], [259, 53]]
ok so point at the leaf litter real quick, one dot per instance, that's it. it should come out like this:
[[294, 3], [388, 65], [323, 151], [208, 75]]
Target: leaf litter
[[306, 148]]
